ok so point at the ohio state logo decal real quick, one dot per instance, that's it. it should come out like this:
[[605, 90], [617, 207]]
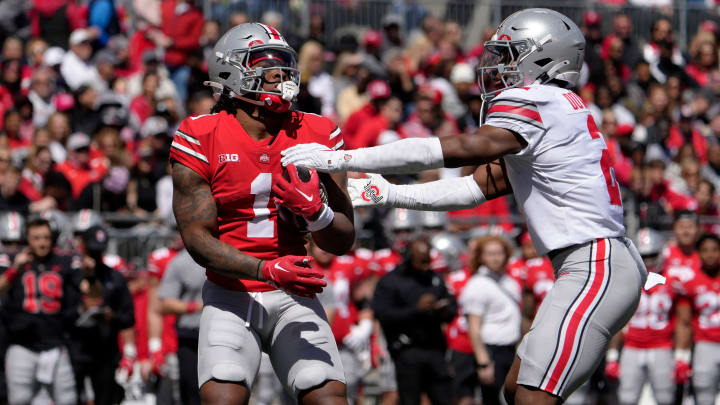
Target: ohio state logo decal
[[371, 193]]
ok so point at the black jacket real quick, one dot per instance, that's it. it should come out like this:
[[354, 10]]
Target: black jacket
[[395, 306]]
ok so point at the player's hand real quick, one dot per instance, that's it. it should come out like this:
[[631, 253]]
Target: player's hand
[[293, 274], [371, 191], [22, 258], [302, 198], [359, 336], [314, 156], [157, 362], [426, 303], [125, 369], [486, 375], [612, 370], [682, 372]]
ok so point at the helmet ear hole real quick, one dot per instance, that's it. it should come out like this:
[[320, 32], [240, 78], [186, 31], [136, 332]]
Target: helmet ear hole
[[224, 75], [543, 62]]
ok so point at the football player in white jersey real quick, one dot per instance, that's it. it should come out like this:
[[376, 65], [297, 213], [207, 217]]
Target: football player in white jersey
[[539, 142]]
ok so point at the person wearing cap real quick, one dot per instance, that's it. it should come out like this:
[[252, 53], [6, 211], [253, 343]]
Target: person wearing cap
[[76, 68], [390, 112], [76, 168], [392, 25], [40, 306], [429, 118], [106, 311], [378, 91]]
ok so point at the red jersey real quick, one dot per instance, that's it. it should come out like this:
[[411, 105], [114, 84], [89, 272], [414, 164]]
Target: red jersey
[[653, 324], [540, 277], [677, 265], [240, 172], [157, 263], [386, 261], [344, 273], [457, 332], [517, 269], [703, 292]]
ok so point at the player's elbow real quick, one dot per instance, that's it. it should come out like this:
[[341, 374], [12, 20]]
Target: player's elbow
[[339, 244]]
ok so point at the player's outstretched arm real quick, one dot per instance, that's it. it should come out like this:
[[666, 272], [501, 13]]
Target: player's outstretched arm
[[410, 155], [487, 182], [196, 216]]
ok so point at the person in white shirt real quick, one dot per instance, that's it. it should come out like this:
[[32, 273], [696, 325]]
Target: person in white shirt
[[491, 303], [76, 68], [538, 141]]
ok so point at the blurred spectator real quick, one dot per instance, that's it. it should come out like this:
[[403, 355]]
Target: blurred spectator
[[369, 134], [319, 83], [411, 304], [143, 105], [392, 25], [399, 74], [58, 126], [42, 96], [711, 170], [76, 67], [151, 64], [76, 168], [85, 117], [661, 33], [429, 118], [182, 25], [11, 198], [706, 206], [104, 18], [622, 27], [180, 294], [491, 302], [53, 21], [704, 60], [107, 309], [351, 78]]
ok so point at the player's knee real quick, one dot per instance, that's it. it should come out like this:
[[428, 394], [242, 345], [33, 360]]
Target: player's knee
[[328, 393], [222, 393]]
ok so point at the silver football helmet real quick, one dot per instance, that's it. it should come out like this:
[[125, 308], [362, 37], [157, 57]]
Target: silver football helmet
[[12, 227], [450, 248], [246, 57], [432, 220], [531, 45], [650, 243], [403, 219]]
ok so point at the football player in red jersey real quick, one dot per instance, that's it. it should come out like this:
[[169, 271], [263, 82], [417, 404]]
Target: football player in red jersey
[[648, 338], [681, 257], [228, 184], [701, 320]]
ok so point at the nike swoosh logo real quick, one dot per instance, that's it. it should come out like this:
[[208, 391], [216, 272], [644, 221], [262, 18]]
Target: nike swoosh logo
[[277, 266], [307, 197]]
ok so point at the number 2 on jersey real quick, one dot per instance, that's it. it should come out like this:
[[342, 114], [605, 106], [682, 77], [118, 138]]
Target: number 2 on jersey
[[608, 172]]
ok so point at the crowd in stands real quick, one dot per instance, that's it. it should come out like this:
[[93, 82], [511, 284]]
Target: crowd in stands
[[91, 93]]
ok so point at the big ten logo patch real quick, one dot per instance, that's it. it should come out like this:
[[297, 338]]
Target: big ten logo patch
[[228, 157]]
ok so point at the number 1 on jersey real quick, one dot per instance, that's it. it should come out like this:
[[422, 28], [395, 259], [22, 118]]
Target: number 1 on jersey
[[605, 165], [261, 226]]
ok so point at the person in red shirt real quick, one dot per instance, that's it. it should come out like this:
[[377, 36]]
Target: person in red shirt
[[378, 91], [228, 186], [680, 258], [78, 168], [704, 195], [698, 320], [369, 133], [181, 28]]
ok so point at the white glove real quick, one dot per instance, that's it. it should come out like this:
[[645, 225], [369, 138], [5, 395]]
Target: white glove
[[314, 156], [289, 90], [359, 336], [372, 191]]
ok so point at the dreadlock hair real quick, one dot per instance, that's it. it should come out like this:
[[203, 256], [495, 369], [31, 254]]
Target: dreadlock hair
[[225, 103]]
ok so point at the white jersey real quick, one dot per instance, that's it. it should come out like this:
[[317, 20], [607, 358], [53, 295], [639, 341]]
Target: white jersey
[[562, 180]]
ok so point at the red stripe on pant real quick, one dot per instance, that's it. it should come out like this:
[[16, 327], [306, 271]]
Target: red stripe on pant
[[576, 318]]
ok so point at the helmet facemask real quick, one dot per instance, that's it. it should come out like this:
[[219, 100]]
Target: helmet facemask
[[499, 66]]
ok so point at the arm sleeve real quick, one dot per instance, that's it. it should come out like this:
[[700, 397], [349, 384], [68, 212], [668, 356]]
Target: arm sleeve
[[124, 314], [441, 195], [171, 284], [409, 155], [386, 310], [188, 149], [511, 111]]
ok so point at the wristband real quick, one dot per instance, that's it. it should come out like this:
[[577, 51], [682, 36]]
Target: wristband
[[612, 355], [191, 307], [11, 274], [129, 350], [683, 355], [154, 345], [323, 221]]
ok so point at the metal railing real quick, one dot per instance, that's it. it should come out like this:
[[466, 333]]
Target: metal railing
[[354, 16]]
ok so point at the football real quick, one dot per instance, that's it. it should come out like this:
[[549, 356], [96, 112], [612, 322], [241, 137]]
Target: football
[[288, 216]]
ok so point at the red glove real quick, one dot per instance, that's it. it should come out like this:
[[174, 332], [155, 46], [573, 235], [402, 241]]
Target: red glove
[[302, 198], [157, 360], [125, 369], [293, 274], [612, 370], [682, 372]]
